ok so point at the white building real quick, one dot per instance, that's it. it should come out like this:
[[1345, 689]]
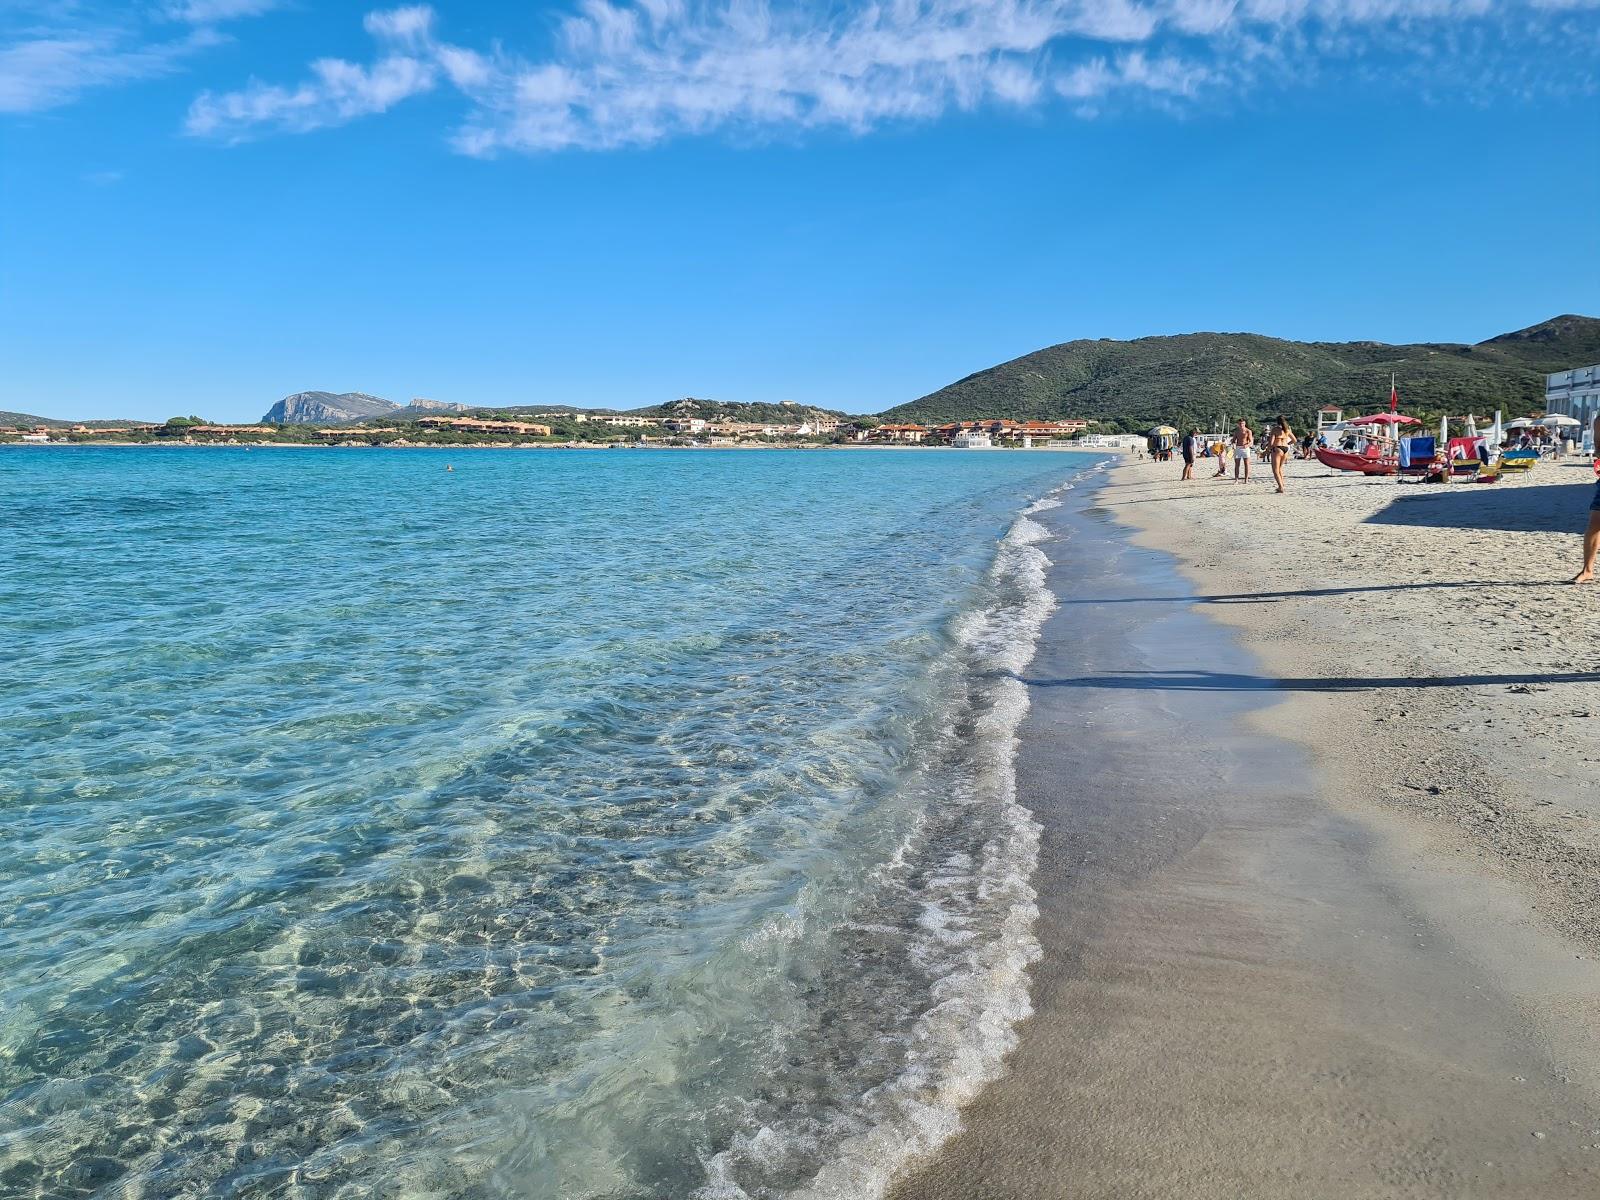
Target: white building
[[1575, 393]]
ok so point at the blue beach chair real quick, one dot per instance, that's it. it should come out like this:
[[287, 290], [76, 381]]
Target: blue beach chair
[[1419, 457]]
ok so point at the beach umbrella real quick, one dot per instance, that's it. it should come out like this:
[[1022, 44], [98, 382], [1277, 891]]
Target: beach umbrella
[[1519, 423], [1554, 419], [1385, 419], [1472, 425], [1163, 431], [1444, 433]]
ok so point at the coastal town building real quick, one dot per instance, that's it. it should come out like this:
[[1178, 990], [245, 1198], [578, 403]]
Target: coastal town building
[[623, 421], [484, 425], [913, 434], [1575, 394], [43, 433], [1004, 431]]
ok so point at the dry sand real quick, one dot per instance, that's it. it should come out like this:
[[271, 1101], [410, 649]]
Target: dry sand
[[1441, 662], [1317, 897]]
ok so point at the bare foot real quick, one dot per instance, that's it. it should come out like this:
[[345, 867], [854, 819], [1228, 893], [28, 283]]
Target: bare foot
[[1583, 577]]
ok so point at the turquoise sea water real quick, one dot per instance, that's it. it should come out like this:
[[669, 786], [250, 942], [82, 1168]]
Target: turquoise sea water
[[581, 824]]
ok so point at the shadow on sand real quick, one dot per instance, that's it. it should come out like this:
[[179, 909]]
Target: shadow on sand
[[1275, 597], [1556, 507], [1226, 681]]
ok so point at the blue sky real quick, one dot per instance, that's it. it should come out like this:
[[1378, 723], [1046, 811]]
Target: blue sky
[[208, 204]]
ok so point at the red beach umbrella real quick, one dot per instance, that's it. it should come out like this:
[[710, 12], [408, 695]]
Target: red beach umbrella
[[1385, 418]]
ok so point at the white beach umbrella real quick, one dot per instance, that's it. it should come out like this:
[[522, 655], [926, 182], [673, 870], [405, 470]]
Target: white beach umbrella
[[1556, 419], [1444, 437], [1472, 425], [1519, 423]]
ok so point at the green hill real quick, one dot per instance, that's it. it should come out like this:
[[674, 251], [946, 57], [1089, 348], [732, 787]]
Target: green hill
[[1204, 377]]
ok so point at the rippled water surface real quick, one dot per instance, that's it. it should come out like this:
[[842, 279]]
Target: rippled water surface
[[586, 824]]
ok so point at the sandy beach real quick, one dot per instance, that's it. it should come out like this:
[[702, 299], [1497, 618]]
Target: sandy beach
[[1317, 775]]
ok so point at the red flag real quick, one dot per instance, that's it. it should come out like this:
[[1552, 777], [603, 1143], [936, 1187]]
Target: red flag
[[1394, 396]]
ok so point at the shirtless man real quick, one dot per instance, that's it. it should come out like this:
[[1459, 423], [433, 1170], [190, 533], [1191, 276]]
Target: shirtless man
[[1591, 536], [1243, 440]]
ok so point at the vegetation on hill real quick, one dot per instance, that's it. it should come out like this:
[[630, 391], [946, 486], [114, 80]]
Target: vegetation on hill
[[750, 412], [1205, 378]]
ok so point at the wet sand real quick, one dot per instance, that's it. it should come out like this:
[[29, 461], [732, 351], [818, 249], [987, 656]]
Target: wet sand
[[1258, 980]]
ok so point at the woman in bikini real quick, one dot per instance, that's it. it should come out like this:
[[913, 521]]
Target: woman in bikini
[[1278, 444]]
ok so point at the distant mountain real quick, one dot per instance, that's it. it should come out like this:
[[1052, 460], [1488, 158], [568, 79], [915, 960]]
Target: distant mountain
[[327, 408], [1206, 376], [419, 408], [418, 404], [18, 420]]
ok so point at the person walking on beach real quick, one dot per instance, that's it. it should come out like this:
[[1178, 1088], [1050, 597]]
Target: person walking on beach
[[1591, 535], [1191, 443], [1243, 440], [1279, 442]]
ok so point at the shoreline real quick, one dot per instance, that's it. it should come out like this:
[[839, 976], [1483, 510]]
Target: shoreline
[[1258, 979]]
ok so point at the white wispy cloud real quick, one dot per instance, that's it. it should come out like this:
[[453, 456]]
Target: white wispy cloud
[[52, 53], [338, 91], [635, 72], [212, 12], [44, 72]]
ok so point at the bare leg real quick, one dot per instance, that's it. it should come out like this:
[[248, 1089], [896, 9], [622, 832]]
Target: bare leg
[[1591, 549], [1277, 468]]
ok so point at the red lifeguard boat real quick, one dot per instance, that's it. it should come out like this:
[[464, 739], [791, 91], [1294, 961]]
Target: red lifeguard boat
[[1370, 445], [1372, 456]]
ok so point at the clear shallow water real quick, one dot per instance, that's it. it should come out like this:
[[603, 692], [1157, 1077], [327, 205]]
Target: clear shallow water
[[607, 824]]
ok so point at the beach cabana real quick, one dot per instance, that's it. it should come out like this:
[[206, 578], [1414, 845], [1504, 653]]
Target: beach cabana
[[1161, 439]]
